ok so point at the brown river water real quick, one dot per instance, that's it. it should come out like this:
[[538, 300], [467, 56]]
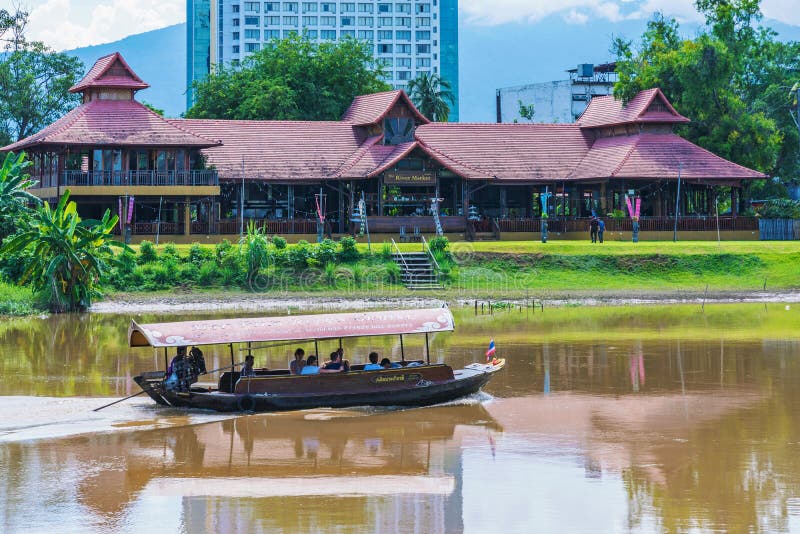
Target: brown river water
[[615, 419]]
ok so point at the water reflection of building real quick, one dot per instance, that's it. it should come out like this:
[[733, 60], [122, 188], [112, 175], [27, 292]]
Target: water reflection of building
[[300, 471]]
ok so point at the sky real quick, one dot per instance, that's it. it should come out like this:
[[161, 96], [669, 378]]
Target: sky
[[67, 24]]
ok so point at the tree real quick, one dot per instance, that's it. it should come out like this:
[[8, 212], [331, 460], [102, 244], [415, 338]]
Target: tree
[[731, 80], [33, 81], [14, 195], [430, 93], [69, 256], [290, 79]]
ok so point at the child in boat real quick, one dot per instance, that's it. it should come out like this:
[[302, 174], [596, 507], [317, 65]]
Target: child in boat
[[311, 367], [373, 364], [296, 365]]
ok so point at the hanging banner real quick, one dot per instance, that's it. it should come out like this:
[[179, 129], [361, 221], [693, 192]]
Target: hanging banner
[[130, 210], [409, 178], [119, 212]]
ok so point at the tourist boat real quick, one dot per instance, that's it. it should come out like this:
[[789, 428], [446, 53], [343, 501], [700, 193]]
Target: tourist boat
[[415, 382]]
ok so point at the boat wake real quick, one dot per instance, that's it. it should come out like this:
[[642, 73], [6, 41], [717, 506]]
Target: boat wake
[[33, 418]]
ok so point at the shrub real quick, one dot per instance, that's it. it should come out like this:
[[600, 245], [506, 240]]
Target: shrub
[[359, 275], [171, 252], [158, 275], [439, 244], [254, 247], [188, 274], [393, 273], [198, 254], [147, 252], [278, 242], [326, 252], [222, 250], [348, 251], [780, 208], [330, 273], [299, 254], [386, 252], [209, 274]]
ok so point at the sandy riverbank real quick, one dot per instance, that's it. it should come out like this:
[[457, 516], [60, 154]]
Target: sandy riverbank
[[200, 301]]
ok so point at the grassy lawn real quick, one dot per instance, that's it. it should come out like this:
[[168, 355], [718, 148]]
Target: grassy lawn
[[16, 300]]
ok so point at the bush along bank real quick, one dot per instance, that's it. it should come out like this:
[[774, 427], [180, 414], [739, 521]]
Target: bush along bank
[[257, 263]]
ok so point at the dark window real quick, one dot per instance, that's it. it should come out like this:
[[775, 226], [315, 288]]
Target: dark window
[[398, 130]]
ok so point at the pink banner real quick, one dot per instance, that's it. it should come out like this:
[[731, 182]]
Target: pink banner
[[119, 212], [130, 210], [638, 207], [630, 208]]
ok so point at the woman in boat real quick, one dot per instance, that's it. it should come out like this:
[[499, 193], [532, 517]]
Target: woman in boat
[[311, 367], [335, 365], [296, 365]]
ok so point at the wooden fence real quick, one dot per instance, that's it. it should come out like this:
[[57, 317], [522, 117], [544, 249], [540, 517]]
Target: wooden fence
[[779, 229]]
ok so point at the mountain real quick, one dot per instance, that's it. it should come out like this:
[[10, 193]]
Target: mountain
[[158, 57], [490, 57]]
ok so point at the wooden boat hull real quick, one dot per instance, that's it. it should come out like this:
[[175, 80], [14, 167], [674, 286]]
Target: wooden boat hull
[[391, 387]]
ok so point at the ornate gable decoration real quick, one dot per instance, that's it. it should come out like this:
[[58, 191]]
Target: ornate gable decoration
[[110, 72]]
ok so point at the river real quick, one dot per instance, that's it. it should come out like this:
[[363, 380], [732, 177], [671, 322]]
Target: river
[[611, 419]]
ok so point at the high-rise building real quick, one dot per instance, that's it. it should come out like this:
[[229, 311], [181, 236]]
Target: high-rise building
[[408, 36]]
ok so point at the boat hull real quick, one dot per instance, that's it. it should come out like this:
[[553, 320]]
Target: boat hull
[[420, 393]]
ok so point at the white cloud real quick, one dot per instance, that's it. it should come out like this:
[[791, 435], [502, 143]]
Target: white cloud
[[576, 17], [491, 12], [65, 24]]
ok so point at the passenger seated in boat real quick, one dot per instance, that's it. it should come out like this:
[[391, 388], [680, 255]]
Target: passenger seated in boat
[[373, 364], [177, 372], [335, 365], [197, 364], [296, 365], [247, 368], [311, 367]]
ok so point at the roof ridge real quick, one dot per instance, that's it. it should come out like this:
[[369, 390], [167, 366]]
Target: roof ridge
[[628, 155], [177, 127], [443, 156], [384, 165], [359, 155]]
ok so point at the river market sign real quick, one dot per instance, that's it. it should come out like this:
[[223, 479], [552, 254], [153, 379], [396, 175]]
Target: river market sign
[[409, 178]]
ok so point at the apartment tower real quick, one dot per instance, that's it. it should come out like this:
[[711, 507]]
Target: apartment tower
[[408, 36]]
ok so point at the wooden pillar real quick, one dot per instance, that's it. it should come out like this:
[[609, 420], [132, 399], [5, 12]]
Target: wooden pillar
[[603, 200], [187, 216], [503, 202], [734, 202], [342, 211], [290, 206]]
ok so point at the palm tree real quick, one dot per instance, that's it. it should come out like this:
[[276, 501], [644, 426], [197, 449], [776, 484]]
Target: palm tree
[[14, 195], [68, 256], [430, 94]]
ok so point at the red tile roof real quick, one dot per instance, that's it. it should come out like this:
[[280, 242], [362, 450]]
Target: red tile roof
[[652, 156], [108, 72], [608, 111], [506, 151], [112, 123], [278, 150], [371, 109], [375, 159]]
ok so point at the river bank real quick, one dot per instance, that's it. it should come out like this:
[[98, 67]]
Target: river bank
[[162, 302]]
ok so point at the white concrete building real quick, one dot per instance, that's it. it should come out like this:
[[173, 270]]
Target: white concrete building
[[408, 36], [560, 101]]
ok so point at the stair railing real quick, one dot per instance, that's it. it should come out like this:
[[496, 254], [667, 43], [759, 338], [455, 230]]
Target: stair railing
[[402, 258], [427, 248]]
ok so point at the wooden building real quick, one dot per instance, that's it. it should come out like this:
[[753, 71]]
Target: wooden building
[[197, 177]]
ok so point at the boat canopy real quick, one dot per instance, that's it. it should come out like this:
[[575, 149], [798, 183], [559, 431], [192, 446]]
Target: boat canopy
[[288, 328]]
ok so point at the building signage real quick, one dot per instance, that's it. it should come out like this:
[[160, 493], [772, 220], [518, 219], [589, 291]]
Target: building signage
[[409, 178]]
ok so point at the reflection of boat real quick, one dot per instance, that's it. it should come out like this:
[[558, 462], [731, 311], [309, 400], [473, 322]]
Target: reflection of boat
[[417, 383]]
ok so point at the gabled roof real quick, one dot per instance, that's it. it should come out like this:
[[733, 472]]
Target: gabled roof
[[650, 106], [653, 156], [371, 109], [110, 71], [505, 151], [277, 150], [112, 123], [374, 159]]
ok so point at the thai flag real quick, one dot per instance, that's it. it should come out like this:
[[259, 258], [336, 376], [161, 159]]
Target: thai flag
[[491, 351]]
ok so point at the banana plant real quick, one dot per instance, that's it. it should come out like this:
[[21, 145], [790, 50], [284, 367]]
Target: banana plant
[[69, 256]]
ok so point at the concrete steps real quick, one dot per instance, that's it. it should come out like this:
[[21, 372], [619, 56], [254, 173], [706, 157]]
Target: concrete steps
[[417, 271]]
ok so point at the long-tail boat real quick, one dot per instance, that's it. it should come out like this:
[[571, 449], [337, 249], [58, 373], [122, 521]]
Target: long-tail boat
[[410, 383]]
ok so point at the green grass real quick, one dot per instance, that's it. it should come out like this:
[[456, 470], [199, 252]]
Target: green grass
[[16, 300], [507, 269]]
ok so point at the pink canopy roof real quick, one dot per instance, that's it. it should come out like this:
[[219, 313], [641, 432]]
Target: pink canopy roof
[[287, 328]]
